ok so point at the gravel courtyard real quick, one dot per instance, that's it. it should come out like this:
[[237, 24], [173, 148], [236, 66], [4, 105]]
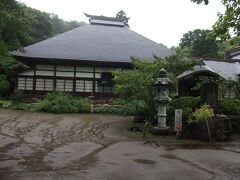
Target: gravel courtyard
[[92, 146]]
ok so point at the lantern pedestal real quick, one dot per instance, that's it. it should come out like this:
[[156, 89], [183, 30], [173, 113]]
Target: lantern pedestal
[[162, 131]]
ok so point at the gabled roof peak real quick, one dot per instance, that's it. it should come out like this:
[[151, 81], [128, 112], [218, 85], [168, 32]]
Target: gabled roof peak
[[107, 21]]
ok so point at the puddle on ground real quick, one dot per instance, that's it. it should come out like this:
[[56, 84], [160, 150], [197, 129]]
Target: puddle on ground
[[189, 163], [171, 147], [127, 154], [223, 147], [145, 161]]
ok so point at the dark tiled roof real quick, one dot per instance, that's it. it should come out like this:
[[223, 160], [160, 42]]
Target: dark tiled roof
[[233, 52], [227, 69], [96, 43], [221, 60]]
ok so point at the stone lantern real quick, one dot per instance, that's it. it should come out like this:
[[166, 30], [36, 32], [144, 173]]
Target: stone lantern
[[162, 99]]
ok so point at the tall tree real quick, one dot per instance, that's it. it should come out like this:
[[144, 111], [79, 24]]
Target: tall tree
[[227, 22], [122, 16], [199, 43], [21, 26]]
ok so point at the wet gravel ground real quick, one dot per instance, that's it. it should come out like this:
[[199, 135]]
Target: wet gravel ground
[[90, 146]]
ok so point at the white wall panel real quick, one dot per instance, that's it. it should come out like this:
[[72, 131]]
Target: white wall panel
[[45, 67], [103, 69], [27, 73], [97, 75], [82, 74], [44, 73], [25, 83], [65, 68], [65, 74], [40, 84], [60, 85], [84, 69]]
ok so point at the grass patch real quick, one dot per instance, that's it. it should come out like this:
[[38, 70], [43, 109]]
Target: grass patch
[[22, 106], [4, 102], [135, 131]]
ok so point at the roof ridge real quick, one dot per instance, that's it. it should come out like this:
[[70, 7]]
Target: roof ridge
[[221, 60]]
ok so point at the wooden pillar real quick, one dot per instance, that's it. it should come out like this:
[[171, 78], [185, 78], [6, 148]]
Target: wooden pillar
[[16, 82], [34, 78], [54, 80], [94, 80], [74, 79]]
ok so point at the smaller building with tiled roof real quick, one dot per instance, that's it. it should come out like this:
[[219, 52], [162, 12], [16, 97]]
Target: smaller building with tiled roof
[[228, 69]]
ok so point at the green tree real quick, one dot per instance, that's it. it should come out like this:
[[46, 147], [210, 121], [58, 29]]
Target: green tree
[[224, 46], [21, 26], [137, 84], [4, 84], [199, 43], [227, 22], [121, 15], [200, 1]]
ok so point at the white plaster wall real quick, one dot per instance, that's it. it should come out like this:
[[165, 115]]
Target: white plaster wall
[[45, 67], [104, 69], [44, 73], [84, 69], [27, 73], [65, 74], [82, 74], [65, 68]]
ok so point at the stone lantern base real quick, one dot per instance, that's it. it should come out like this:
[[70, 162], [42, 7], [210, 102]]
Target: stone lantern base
[[162, 131]]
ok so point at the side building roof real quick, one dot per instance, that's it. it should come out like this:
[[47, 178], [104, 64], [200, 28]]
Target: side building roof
[[227, 69]]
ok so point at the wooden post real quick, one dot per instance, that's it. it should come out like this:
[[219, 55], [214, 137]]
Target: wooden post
[[94, 80], [54, 80], [209, 133], [34, 78], [74, 80]]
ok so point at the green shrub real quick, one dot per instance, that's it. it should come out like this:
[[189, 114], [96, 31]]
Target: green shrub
[[202, 114], [131, 108], [4, 84], [60, 102], [83, 104], [119, 101], [21, 106], [188, 104], [17, 97], [185, 102], [229, 106], [109, 110], [135, 107]]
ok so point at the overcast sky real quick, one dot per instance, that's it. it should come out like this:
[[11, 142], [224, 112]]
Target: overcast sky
[[163, 21]]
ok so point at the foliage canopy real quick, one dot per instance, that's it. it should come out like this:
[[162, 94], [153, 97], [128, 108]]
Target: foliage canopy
[[21, 26], [137, 84], [227, 22]]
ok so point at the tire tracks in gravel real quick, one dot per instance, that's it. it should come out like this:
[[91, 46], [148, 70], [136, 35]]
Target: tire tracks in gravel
[[54, 136]]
